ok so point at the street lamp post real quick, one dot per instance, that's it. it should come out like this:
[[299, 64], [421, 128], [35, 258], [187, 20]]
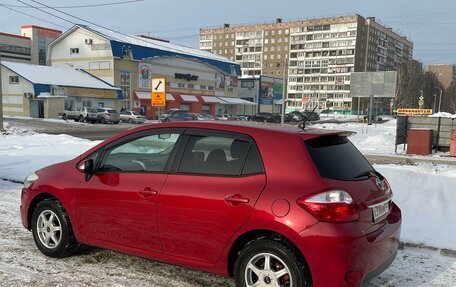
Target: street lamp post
[[284, 86], [440, 99]]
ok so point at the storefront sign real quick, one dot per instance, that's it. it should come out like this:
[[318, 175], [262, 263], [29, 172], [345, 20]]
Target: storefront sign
[[188, 77], [86, 93], [415, 111], [144, 75]]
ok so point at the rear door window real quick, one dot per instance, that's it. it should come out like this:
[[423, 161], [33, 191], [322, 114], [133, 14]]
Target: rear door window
[[337, 158], [217, 155]]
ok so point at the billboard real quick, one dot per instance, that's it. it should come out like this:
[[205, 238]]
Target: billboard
[[144, 75], [219, 82], [270, 90], [379, 84]]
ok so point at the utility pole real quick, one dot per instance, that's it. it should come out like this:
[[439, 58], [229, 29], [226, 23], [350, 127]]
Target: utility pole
[[440, 99], [284, 87], [1, 92]]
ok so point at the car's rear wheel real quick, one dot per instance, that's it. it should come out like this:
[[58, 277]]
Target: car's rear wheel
[[52, 229], [103, 120], [267, 262], [130, 121], [65, 117], [81, 118]]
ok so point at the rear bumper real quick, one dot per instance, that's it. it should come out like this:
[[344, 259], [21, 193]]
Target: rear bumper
[[341, 255]]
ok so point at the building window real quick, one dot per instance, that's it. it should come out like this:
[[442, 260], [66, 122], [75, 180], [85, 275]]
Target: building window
[[180, 85], [42, 51], [202, 87], [190, 86], [125, 86], [14, 79], [74, 50], [210, 88]]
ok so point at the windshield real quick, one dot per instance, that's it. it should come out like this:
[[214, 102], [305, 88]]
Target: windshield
[[337, 158]]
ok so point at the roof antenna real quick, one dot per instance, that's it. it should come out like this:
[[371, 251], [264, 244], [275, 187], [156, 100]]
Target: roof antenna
[[303, 124]]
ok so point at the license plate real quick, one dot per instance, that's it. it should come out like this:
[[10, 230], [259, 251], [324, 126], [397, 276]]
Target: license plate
[[380, 210]]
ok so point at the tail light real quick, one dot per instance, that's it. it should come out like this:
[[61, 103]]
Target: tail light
[[332, 206]]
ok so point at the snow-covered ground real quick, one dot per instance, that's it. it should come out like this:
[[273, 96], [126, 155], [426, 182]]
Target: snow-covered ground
[[425, 193]]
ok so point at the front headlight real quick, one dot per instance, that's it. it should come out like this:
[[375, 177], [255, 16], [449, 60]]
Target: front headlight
[[30, 179]]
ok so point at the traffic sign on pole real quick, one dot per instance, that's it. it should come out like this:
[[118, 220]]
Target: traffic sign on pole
[[158, 95]]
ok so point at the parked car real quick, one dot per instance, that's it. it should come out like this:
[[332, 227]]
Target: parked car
[[107, 115], [245, 117], [225, 201], [81, 114], [164, 115], [132, 117], [222, 117], [179, 115], [310, 116], [269, 118], [374, 118], [296, 116]]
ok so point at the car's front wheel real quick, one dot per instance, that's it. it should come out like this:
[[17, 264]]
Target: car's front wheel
[[266, 262], [52, 229]]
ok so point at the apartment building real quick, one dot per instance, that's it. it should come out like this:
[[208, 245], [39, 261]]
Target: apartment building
[[28, 47], [445, 73], [317, 55]]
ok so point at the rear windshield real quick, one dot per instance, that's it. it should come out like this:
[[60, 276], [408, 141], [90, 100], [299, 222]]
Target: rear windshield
[[337, 158], [111, 111]]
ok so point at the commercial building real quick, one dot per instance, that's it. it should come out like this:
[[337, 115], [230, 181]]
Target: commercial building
[[317, 56], [28, 47], [445, 73], [195, 79], [45, 92]]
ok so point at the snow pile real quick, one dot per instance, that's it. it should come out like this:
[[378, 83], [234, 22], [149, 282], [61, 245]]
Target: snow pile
[[373, 139], [23, 152], [427, 196], [443, 115]]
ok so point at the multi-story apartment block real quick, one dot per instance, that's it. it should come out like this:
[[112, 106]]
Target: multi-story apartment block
[[317, 55]]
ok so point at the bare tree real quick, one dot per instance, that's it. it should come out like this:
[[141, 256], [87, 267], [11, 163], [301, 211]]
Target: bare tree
[[449, 100], [410, 84]]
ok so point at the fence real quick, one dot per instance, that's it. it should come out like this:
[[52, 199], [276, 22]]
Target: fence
[[441, 130]]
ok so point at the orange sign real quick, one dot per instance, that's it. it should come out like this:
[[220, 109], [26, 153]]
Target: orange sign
[[415, 111], [158, 99]]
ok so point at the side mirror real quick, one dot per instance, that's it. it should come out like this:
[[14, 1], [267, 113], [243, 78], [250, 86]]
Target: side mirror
[[87, 167]]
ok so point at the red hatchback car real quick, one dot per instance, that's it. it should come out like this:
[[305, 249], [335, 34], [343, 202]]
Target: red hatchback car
[[269, 206]]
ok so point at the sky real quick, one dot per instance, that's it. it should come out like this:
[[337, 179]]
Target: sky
[[430, 25]]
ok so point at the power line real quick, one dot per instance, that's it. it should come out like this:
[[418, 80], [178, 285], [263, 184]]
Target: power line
[[20, 12], [65, 13], [44, 11], [79, 6]]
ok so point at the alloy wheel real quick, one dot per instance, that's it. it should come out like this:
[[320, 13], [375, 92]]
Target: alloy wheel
[[267, 270], [49, 229]]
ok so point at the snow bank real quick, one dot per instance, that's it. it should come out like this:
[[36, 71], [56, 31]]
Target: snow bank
[[373, 139], [23, 152], [443, 115], [427, 196]]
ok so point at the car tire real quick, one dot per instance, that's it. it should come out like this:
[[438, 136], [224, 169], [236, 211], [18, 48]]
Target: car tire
[[52, 230], [116, 123], [64, 117], [130, 121], [81, 118], [285, 268], [103, 121]]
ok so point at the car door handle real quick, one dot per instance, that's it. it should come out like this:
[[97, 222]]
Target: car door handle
[[236, 199], [147, 192]]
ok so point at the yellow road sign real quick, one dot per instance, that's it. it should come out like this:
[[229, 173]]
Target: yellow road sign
[[158, 99], [158, 85], [158, 95]]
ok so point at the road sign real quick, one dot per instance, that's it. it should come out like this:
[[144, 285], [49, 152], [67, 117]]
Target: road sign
[[158, 99], [420, 102], [158, 85], [158, 95], [421, 98]]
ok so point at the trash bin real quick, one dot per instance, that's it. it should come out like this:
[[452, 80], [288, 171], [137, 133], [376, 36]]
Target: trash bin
[[453, 143], [419, 141]]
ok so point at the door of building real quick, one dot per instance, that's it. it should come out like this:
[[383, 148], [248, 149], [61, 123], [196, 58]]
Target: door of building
[[37, 108]]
